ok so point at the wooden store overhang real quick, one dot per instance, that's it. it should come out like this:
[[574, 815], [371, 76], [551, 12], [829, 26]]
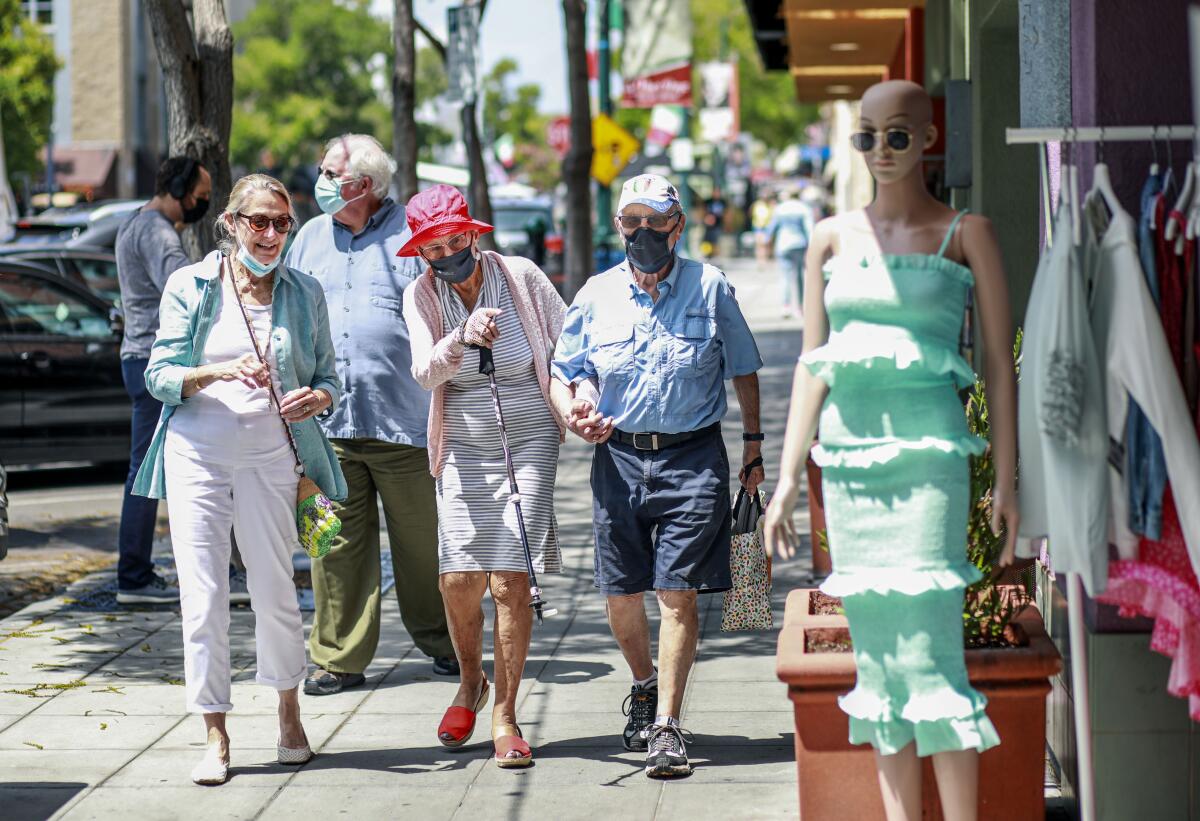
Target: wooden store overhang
[[834, 49]]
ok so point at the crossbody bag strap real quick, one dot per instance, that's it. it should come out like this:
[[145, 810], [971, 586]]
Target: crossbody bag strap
[[262, 359]]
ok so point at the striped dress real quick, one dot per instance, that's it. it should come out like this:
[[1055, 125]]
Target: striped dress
[[477, 524]]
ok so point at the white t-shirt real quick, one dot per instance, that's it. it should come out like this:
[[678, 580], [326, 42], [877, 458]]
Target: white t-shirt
[[229, 421]]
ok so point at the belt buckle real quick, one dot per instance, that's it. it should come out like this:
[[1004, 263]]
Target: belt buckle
[[653, 441]]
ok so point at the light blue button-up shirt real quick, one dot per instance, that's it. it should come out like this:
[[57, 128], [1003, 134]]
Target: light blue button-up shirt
[[364, 284], [660, 365]]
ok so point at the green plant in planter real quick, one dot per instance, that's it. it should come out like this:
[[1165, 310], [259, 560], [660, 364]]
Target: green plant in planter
[[989, 607]]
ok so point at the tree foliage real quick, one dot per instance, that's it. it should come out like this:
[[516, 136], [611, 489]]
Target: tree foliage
[[513, 111], [305, 71], [27, 67], [769, 109]]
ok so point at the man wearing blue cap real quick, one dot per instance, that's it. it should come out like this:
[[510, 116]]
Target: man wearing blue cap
[[658, 334]]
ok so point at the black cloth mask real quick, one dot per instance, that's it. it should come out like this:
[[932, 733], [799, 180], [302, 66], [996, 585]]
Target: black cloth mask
[[196, 212], [647, 249], [455, 268]]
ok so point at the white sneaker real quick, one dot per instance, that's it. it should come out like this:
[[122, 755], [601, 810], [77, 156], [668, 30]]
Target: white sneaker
[[239, 593]]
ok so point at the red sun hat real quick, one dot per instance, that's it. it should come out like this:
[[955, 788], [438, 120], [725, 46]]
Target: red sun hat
[[437, 212]]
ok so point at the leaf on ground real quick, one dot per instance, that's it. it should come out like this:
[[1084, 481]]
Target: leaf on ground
[[33, 744], [110, 618], [117, 691], [69, 600], [45, 665], [61, 639], [103, 726], [146, 648], [170, 680]]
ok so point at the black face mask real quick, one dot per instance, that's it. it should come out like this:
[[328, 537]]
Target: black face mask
[[455, 268], [196, 212], [646, 250]]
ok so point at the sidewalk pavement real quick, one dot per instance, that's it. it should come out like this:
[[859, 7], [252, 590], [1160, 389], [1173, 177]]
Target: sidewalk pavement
[[92, 721]]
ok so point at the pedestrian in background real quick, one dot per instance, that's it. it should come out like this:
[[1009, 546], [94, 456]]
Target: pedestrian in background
[[789, 231], [148, 251], [468, 300], [760, 217], [242, 353], [378, 430], [659, 334]]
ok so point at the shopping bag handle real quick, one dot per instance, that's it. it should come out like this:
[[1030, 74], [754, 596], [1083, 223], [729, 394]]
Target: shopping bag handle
[[756, 462]]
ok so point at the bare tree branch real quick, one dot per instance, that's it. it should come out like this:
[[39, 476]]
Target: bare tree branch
[[437, 44]]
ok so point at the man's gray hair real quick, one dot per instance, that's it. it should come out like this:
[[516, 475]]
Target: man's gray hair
[[365, 157]]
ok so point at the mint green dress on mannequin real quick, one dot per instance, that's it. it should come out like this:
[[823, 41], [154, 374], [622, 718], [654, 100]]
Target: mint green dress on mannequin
[[893, 451]]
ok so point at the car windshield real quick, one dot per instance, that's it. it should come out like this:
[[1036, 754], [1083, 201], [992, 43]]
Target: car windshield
[[516, 219]]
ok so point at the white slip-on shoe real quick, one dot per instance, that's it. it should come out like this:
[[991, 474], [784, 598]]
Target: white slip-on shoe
[[294, 755], [212, 769]]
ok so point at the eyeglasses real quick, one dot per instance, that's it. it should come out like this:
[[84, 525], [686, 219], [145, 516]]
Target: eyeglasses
[[897, 139], [451, 246], [259, 222], [330, 175], [657, 222]]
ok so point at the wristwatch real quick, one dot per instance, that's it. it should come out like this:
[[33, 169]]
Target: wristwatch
[[753, 437]]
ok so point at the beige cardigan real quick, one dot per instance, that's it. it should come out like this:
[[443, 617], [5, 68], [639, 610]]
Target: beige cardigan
[[436, 357]]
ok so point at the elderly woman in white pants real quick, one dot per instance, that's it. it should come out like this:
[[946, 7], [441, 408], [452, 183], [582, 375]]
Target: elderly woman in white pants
[[243, 357]]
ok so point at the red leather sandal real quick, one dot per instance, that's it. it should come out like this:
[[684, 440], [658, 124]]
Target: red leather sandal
[[458, 724], [508, 744]]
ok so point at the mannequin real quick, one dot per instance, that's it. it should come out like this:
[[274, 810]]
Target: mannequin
[[884, 325]]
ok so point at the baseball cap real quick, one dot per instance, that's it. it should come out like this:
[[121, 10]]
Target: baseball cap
[[648, 189]]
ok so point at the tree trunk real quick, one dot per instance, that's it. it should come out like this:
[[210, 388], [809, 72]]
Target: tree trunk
[[477, 195], [404, 100], [197, 65], [577, 165]]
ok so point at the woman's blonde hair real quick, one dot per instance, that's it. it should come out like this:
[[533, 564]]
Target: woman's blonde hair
[[237, 198]]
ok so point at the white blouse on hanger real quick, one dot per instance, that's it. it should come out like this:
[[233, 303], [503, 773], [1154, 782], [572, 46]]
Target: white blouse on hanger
[[1137, 361]]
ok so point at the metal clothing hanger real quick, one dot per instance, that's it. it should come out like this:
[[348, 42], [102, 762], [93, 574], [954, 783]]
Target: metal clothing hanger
[[1182, 204], [1101, 181]]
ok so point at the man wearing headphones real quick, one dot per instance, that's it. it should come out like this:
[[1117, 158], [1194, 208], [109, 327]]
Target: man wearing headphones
[[148, 251]]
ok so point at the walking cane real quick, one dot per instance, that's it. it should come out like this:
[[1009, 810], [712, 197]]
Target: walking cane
[[487, 365]]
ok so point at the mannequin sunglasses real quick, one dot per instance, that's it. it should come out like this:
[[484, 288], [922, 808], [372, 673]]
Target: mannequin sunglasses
[[897, 139]]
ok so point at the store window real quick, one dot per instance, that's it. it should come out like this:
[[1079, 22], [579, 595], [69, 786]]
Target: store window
[[40, 11]]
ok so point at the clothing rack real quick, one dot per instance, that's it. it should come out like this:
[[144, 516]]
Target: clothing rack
[[1101, 134], [1086, 788]]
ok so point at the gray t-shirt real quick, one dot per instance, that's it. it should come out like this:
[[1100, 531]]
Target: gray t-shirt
[[148, 252]]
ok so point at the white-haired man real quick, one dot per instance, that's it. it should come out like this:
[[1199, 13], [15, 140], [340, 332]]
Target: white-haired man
[[378, 429]]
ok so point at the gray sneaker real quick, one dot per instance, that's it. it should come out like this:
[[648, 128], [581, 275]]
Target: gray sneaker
[[238, 592], [667, 754], [157, 592]]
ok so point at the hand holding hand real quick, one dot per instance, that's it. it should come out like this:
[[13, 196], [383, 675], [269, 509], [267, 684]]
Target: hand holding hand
[[588, 424], [481, 328], [303, 403]]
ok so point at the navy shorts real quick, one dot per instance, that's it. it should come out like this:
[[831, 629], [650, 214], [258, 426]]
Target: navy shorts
[[662, 519]]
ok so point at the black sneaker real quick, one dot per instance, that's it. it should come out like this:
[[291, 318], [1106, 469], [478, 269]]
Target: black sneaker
[[640, 705], [667, 756]]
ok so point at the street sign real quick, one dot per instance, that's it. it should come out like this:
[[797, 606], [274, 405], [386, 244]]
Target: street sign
[[462, 35], [558, 134], [682, 154], [613, 147]]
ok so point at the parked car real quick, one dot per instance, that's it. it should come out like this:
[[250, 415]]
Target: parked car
[[93, 267], [518, 221], [93, 224], [62, 397]]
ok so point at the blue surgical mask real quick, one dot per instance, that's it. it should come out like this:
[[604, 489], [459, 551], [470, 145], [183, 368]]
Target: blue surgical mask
[[328, 194], [259, 269]]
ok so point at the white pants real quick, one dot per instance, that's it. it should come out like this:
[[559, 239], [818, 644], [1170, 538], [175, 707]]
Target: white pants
[[204, 500]]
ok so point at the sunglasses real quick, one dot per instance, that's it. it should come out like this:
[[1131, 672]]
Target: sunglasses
[[657, 222], [259, 222], [329, 175], [897, 139]]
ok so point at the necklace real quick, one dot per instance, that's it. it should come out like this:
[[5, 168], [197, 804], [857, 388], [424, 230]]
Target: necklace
[[258, 287]]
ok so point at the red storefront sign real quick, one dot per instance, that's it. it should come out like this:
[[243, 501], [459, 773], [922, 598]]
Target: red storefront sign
[[670, 86]]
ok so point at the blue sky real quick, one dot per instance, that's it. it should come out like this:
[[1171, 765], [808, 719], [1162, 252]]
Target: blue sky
[[528, 31]]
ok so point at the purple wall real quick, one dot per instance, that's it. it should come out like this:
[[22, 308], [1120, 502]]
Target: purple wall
[[1129, 66]]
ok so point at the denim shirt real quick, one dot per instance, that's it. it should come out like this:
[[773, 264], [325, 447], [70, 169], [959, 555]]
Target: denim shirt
[[299, 337], [660, 365], [364, 283], [1145, 464]]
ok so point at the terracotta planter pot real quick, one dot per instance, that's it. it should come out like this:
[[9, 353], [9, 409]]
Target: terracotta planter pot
[[837, 780]]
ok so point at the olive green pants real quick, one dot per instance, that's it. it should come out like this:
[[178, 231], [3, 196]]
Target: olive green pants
[[346, 583]]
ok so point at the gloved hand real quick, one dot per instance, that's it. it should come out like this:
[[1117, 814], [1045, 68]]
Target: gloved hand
[[481, 328]]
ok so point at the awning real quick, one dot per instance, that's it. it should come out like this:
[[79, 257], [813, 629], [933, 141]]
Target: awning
[[84, 170], [837, 48]]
